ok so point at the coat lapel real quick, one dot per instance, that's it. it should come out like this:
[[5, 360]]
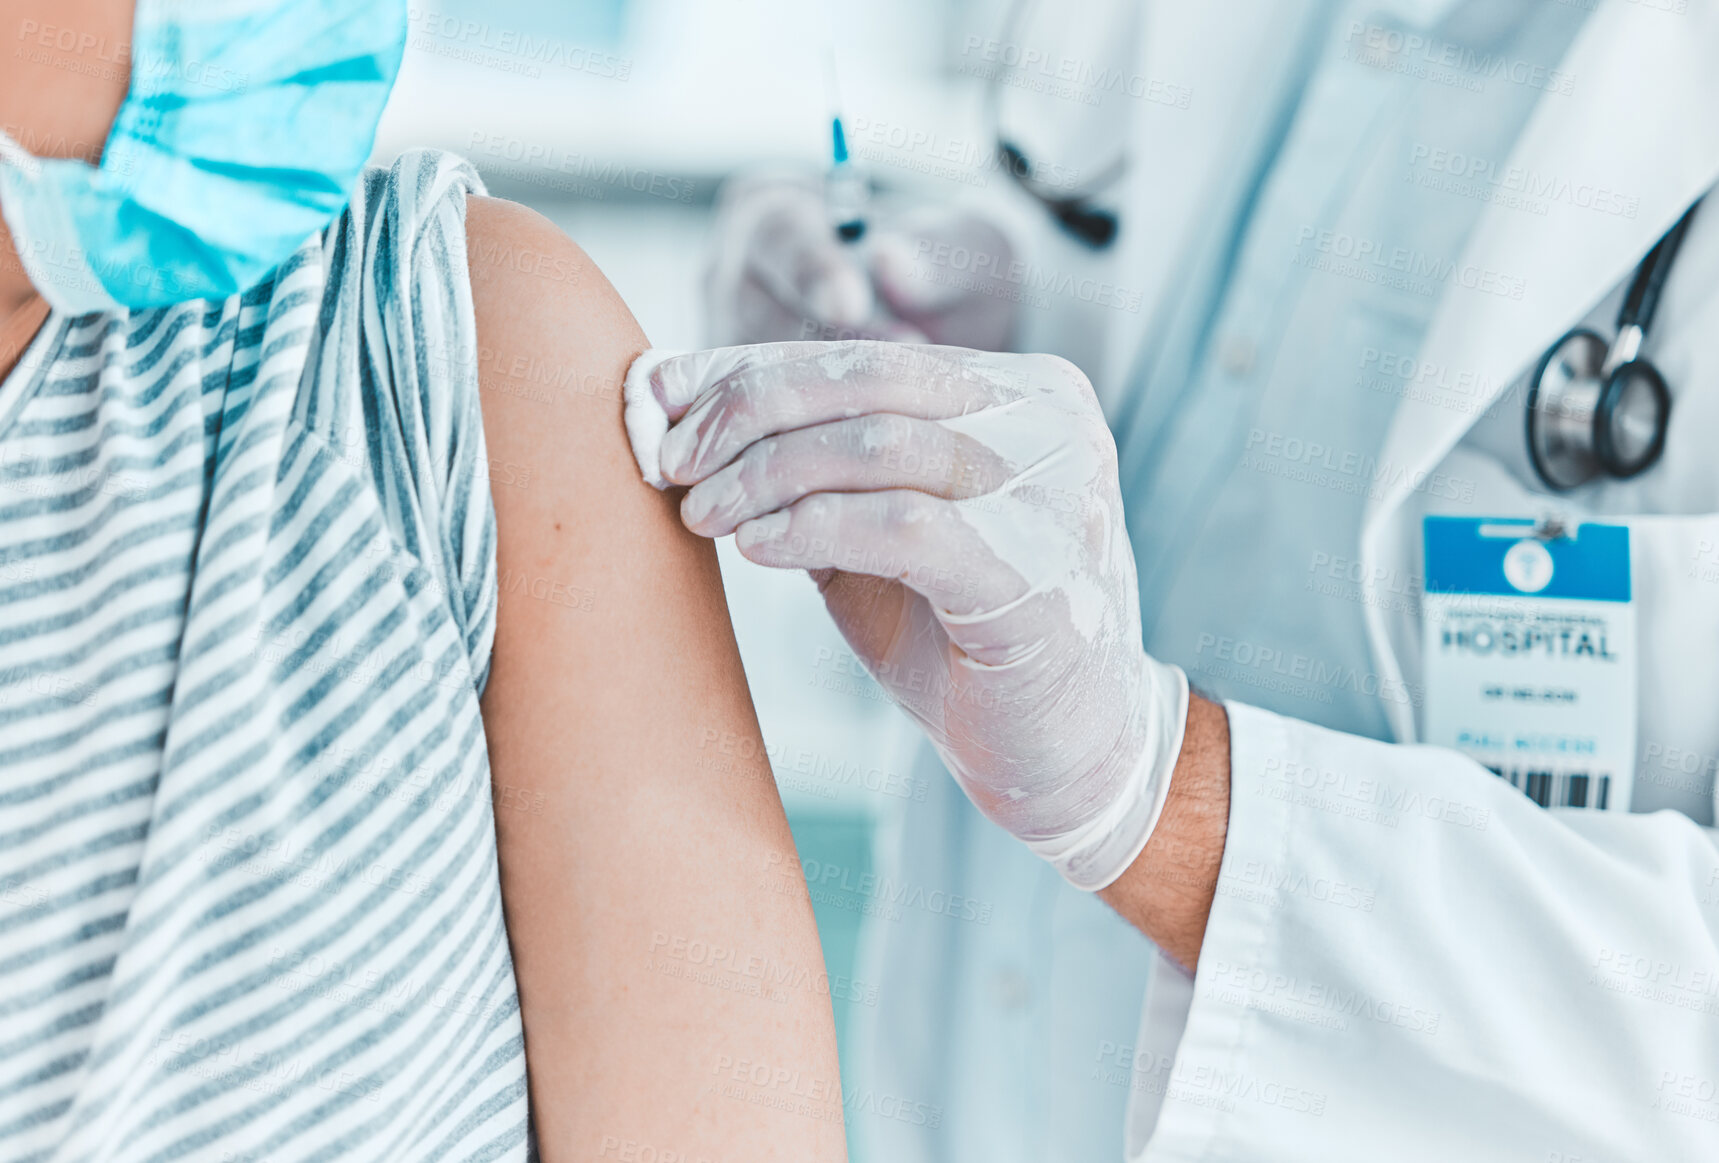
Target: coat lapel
[[1640, 118]]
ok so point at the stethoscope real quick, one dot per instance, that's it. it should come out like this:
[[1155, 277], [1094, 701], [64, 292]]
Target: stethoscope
[[1594, 408], [1072, 209], [1601, 409]]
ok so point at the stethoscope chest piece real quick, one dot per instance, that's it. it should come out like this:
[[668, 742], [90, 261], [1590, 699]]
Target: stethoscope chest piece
[[1586, 419], [1598, 407]]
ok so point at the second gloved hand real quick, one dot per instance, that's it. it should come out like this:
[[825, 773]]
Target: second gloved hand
[[778, 272], [961, 515]]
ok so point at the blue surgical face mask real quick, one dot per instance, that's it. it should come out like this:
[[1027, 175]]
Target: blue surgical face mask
[[244, 130]]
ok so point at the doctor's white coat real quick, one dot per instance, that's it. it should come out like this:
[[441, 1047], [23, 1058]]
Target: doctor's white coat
[[1520, 984], [1487, 980]]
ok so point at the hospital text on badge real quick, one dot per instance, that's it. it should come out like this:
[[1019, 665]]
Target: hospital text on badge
[[1529, 647]]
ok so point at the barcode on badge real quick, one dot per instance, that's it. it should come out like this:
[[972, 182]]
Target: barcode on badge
[[1558, 789]]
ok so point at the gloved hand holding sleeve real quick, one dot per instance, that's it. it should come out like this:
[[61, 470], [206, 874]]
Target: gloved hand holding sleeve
[[960, 512]]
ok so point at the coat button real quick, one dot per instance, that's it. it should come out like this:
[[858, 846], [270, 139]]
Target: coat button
[[1237, 357], [1010, 990]]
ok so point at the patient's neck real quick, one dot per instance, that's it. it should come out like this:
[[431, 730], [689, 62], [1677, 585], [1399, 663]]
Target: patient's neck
[[17, 296]]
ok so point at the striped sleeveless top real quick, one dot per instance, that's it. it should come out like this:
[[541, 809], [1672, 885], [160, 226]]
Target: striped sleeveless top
[[249, 904]]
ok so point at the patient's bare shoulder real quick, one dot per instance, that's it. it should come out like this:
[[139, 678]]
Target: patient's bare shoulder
[[598, 576], [574, 518], [554, 341]]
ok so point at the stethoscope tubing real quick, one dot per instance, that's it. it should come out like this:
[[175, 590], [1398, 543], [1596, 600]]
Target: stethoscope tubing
[[1642, 301], [1073, 209]]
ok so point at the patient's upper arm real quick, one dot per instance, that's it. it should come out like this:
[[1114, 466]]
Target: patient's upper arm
[[617, 712]]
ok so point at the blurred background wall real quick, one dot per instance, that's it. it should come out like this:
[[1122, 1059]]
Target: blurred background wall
[[619, 119]]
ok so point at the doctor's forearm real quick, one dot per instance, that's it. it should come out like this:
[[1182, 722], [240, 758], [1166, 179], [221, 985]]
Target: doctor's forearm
[[1167, 892]]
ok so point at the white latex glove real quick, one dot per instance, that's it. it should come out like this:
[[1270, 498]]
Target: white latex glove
[[778, 272], [961, 515]]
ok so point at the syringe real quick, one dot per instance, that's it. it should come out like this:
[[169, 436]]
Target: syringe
[[847, 188]]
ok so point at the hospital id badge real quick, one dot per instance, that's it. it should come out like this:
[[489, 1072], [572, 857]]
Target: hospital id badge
[[1531, 657]]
